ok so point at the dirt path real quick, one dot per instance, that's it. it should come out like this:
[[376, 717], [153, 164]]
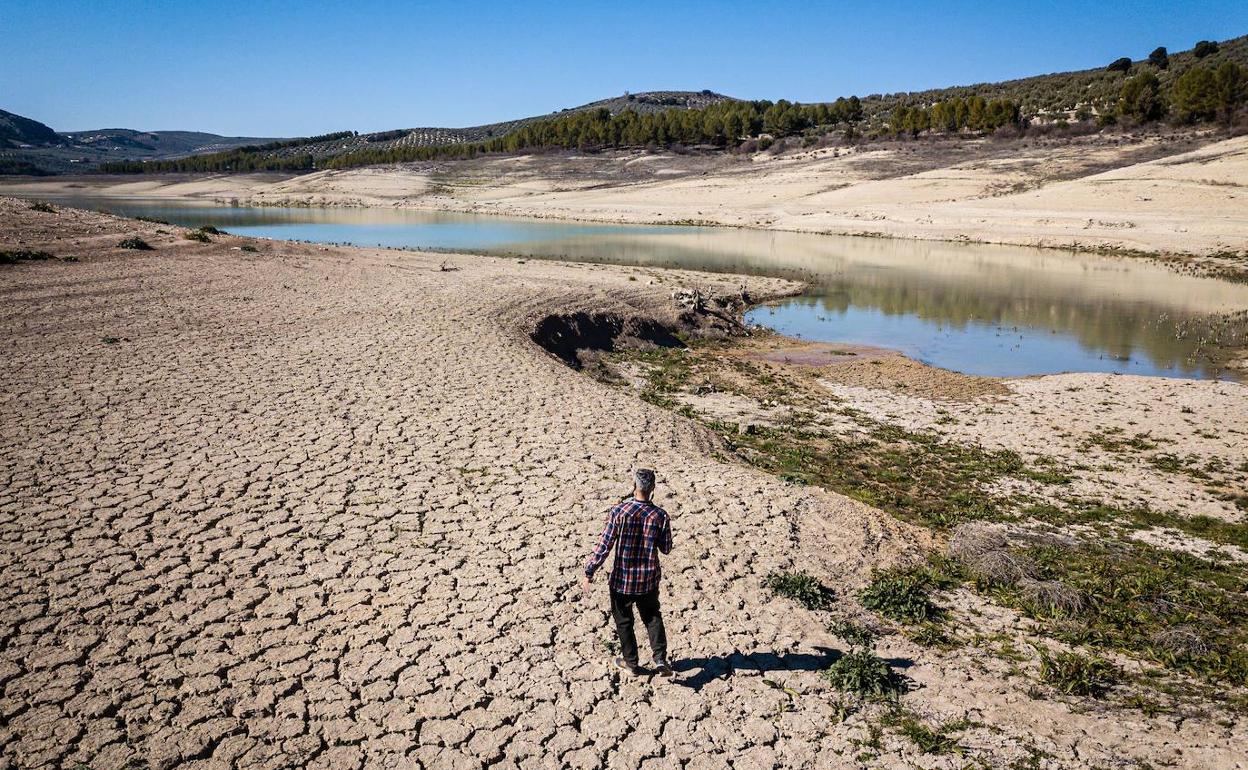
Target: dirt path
[[327, 506]]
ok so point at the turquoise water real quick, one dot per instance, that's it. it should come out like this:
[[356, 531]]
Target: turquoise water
[[988, 310]]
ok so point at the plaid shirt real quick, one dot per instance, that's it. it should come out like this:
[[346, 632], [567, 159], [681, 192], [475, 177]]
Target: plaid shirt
[[639, 531]]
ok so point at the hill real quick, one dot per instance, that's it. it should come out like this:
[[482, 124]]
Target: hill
[[650, 102], [1207, 83], [30, 147], [1060, 95], [125, 149], [17, 132]]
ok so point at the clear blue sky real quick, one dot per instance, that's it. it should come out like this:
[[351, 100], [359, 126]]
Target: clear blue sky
[[263, 68]]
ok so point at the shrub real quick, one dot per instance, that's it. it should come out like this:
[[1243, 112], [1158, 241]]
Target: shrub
[[1076, 674], [801, 587], [42, 206], [136, 243], [248, 247], [1141, 97], [864, 673], [899, 595], [197, 235], [1195, 95], [23, 255], [210, 230]]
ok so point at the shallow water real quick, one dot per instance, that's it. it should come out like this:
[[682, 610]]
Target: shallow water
[[990, 310]]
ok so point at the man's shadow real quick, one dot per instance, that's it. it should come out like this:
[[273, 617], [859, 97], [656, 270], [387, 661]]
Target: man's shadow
[[723, 666]]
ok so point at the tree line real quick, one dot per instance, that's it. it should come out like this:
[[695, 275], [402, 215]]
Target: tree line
[[1200, 94], [230, 161], [954, 115], [724, 124]]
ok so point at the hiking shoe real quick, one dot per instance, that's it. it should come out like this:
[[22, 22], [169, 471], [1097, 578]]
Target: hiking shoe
[[629, 667], [662, 669]]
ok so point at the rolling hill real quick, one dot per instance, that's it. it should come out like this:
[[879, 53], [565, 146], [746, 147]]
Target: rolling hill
[[643, 103], [36, 147], [30, 147]]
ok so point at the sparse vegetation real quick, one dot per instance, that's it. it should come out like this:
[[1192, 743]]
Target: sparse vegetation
[[136, 243], [197, 235], [43, 206], [23, 255], [1074, 674], [1181, 611], [926, 738], [801, 587], [1093, 588]]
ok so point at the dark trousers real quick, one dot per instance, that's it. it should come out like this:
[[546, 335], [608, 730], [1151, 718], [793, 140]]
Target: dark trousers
[[648, 608]]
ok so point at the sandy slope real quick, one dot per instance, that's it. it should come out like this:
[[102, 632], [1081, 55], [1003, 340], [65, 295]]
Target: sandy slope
[[1181, 194], [326, 506]]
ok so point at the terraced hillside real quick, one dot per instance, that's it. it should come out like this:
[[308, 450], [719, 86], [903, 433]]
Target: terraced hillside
[[643, 103]]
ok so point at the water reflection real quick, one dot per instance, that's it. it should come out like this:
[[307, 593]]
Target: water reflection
[[978, 309]]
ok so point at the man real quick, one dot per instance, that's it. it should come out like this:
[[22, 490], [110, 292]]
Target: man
[[638, 530]]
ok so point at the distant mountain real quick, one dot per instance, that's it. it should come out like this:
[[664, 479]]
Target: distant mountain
[[30, 147]]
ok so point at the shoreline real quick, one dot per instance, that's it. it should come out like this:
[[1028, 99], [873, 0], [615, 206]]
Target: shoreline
[[1188, 262], [1235, 366], [316, 476], [1182, 205]]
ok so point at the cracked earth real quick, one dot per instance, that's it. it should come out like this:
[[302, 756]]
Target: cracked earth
[[327, 507]]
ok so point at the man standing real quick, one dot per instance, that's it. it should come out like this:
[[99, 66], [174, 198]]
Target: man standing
[[639, 530]]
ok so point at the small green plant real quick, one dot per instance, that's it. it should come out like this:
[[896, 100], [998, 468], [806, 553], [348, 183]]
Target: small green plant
[[1075, 674], [863, 673], [136, 243], [900, 595], [43, 206], [856, 635], [23, 255], [197, 235], [210, 230], [248, 248], [931, 634], [801, 587], [928, 739]]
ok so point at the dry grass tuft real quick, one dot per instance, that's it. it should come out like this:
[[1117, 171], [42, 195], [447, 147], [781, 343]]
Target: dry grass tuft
[[984, 551], [1052, 597], [1181, 642]]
